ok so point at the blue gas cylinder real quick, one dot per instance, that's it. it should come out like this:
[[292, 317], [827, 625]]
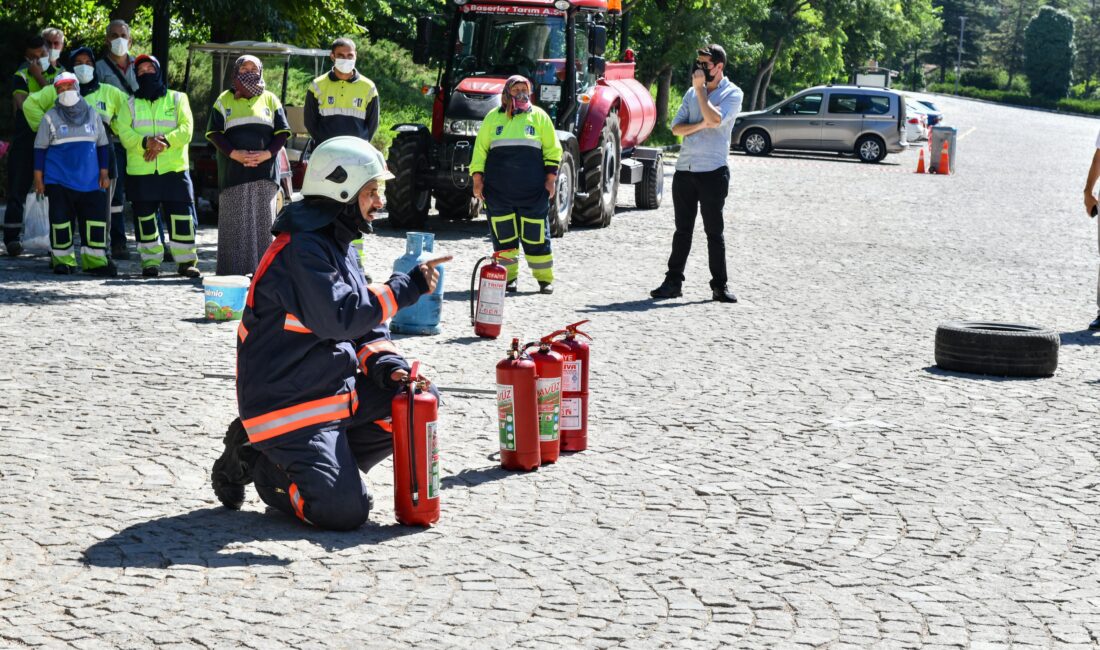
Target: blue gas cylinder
[[424, 316]]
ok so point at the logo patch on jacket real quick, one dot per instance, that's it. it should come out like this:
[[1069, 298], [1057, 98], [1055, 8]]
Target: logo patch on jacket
[[88, 128], [358, 102], [331, 100], [102, 106], [64, 128], [530, 130], [228, 112], [267, 112], [500, 129]]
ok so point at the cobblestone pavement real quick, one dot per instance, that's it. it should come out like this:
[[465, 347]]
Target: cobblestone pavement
[[788, 471]]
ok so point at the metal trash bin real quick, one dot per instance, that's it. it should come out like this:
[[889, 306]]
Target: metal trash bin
[[941, 134]]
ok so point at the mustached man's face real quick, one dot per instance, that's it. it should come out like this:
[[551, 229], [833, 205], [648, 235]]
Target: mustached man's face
[[370, 200]]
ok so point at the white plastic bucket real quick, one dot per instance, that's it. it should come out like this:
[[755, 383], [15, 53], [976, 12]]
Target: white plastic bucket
[[225, 296]]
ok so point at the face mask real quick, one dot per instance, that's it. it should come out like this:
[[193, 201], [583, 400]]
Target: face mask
[[521, 102], [68, 98], [120, 46], [84, 73], [44, 62], [344, 66], [707, 74], [55, 54]]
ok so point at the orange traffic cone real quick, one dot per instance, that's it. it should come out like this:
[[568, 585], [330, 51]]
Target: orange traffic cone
[[945, 160], [920, 162]]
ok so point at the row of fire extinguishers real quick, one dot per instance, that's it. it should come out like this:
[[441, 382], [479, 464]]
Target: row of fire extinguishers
[[542, 404], [542, 409]]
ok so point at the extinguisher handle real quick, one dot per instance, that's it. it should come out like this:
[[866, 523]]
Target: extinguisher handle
[[414, 372], [473, 284]]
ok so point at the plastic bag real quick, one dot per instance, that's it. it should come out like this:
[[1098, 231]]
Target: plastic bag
[[36, 224]]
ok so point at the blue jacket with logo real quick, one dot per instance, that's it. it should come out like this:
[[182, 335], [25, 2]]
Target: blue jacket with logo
[[310, 324]]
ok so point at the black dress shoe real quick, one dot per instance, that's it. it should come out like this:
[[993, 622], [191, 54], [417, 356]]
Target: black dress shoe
[[14, 249], [62, 269], [150, 272], [667, 290], [546, 287], [1095, 325], [724, 295], [512, 286]]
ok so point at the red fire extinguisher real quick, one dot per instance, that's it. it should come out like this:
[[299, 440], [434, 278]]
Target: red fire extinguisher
[[548, 366], [416, 480], [517, 411], [574, 386], [489, 314]]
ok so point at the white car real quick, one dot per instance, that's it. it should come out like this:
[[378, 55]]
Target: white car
[[916, 122]]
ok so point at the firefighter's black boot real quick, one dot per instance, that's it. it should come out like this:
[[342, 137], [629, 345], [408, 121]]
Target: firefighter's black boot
[[233, 469]]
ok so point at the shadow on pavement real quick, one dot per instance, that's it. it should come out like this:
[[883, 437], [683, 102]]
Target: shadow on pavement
[[202, 538], [822, 156], [38, 294], [940, 372], [644, 304], [1082, 337], [475, 477]]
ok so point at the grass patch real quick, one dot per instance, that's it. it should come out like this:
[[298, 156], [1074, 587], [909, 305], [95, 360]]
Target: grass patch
[[1013, 98]]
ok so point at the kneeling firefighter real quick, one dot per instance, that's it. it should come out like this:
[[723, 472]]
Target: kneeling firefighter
[[316, 370]]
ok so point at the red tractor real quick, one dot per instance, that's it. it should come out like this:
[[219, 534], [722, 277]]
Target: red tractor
[[601, 112]]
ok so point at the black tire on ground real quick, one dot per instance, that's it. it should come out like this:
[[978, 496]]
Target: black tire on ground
[[648, 193], [561, 204], [756, 142], [407, 204], [1003, 349], [870, 149], [458, 205], [600, 167]]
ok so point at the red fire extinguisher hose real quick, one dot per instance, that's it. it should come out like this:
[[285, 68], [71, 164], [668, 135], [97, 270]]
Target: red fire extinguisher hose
[[473, 285], [412, 379]]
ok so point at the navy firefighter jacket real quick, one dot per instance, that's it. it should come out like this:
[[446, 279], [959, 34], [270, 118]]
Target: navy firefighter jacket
[[310, 323]]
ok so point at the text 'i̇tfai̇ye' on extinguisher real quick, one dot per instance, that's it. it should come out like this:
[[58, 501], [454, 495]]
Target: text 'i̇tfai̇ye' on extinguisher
[[574, 385], [489, 314], [548, 366], [517, 411], [416, 479]]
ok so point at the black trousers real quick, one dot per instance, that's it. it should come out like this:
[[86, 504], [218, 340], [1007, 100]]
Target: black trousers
[[692, 193], [20, 178]]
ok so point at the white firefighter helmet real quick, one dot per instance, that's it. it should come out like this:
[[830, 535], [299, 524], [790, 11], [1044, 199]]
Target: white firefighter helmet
[[341, 166]]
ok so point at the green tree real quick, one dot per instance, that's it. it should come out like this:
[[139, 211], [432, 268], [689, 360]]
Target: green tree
[[1049, 53]]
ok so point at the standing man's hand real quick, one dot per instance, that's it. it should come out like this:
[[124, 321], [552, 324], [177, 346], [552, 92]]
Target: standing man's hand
[[431, 275], [39, 185], [104, 179], [1090, 203], [479, 186], [551, 184], [698, 81]]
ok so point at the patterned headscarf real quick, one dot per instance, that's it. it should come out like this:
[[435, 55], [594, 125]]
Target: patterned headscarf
[[506, 97], [248, 84], [79, 113]]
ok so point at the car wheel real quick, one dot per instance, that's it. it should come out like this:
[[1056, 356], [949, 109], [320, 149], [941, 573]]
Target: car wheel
[[756, 142], [870, 149], [1002, 349]]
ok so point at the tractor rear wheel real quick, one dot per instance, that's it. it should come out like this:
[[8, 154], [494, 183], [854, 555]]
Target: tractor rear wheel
[[457, 205], [600, 167], [406, 203]]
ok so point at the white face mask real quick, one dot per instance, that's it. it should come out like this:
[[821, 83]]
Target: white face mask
[[68, 98], [344, 66], [120, 46], [84, 73], [55, 54], [44, 62]]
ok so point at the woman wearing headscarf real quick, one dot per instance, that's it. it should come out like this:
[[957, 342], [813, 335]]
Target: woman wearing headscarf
[[109, 102], [515, 169], [70, 169], [156, 132], [249, 127]]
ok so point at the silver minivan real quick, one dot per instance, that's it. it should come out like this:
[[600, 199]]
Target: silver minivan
[[869, 122]]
